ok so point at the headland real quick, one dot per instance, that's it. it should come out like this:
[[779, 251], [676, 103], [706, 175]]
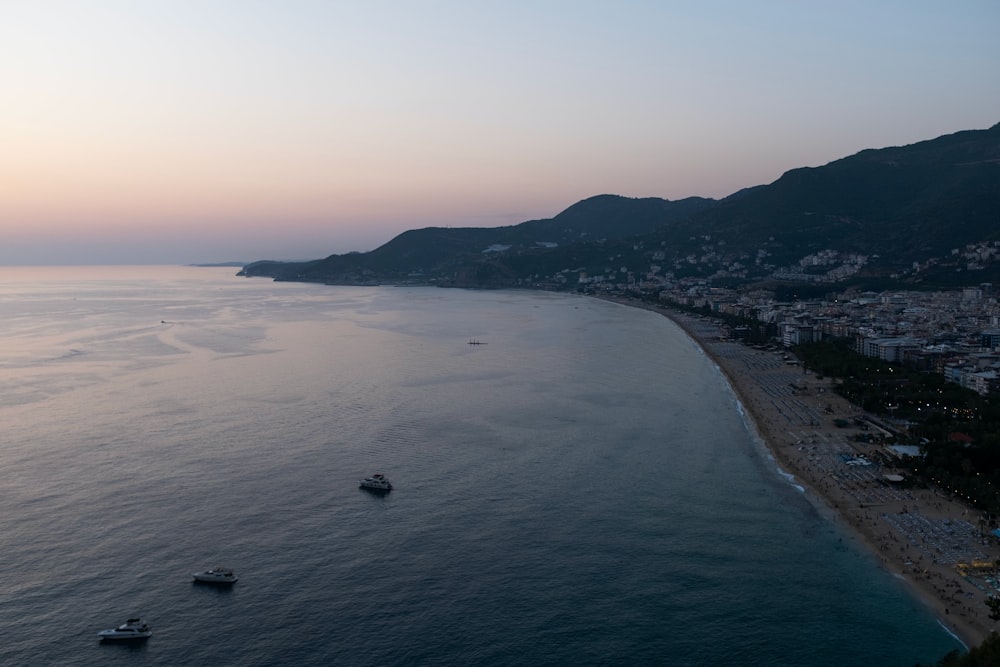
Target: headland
[[932, 541]]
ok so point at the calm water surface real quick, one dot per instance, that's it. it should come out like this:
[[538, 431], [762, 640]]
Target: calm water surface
[[580, 489]]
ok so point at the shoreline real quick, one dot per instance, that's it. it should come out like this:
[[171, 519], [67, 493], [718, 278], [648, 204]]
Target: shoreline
[[918, 535]]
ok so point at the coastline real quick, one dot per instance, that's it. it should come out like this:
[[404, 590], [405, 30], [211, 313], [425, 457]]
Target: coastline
[[919, 535]]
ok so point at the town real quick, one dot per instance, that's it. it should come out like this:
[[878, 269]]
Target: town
[[954, 333]]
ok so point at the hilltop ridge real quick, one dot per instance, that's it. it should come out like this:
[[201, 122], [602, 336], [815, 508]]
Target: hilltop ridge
[[901, 213]]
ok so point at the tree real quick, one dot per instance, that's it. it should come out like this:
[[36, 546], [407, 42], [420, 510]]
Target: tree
[[993, 602]]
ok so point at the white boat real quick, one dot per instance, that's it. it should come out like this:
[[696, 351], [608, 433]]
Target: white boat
[[133, 628], [217, 575], [376, 482]]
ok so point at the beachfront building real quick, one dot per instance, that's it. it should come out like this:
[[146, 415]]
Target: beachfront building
[[990, 339], [794, 333], [982, 382], [888, 349]]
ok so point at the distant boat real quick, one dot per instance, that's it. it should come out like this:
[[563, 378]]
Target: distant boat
[[217, 575], [376, 483], [133, 628], [476, 341]]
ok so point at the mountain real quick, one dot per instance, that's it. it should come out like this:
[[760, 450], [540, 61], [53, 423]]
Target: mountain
[[905, 203], [925, 214], [439, 252]]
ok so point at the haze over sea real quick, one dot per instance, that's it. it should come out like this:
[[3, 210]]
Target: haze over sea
[[580, 489]]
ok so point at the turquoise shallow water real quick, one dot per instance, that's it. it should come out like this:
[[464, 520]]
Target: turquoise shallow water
[[580, 489]]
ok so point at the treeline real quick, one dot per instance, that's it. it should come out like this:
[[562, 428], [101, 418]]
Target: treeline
[[986, 654], [957, 429], [751, 331]]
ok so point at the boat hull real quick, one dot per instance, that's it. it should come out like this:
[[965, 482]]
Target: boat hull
[[208, 579], [123, 636]]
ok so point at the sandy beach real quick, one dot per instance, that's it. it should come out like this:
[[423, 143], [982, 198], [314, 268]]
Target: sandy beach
[[930, 540]]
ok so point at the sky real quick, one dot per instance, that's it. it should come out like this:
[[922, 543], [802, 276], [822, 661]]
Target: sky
[[187, 131]]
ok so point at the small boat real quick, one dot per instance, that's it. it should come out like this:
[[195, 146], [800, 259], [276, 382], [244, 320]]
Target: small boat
[[133, 628], [376, 482], [217, 575]]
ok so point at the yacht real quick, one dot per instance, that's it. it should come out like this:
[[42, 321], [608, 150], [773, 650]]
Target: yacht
[[133, 628], [376, 482], [217, 575]]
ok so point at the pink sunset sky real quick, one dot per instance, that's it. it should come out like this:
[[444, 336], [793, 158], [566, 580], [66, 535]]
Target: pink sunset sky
[[205, 131]]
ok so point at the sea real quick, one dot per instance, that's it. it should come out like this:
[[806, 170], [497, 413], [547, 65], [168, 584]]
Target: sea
[[577, 486]]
